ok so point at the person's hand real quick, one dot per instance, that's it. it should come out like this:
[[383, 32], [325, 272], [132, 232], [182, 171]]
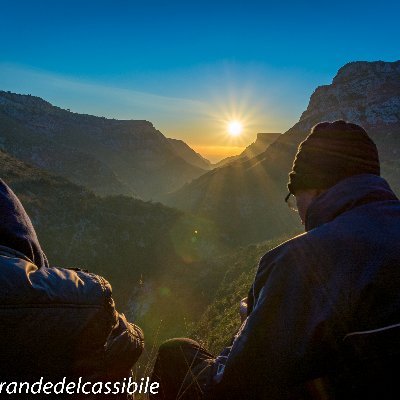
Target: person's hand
[[243, 309]]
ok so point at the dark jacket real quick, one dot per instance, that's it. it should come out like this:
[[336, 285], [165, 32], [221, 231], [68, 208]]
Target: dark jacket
[[324, 308], [55, 322]]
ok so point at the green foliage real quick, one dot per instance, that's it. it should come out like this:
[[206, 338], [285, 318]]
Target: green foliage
[[152, 255], [219, 323]]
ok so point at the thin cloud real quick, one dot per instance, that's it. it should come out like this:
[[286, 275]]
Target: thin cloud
[[97, 99]]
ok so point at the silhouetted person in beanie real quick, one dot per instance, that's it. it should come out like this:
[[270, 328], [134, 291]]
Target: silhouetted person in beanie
[[323, 313]]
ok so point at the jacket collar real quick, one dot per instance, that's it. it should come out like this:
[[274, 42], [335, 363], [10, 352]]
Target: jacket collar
[[346, 195]]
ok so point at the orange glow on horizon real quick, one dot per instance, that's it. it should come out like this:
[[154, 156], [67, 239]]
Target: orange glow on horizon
[[217, 153]]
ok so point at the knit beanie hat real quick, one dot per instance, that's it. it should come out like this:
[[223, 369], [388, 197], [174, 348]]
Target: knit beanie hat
[[331, 152]]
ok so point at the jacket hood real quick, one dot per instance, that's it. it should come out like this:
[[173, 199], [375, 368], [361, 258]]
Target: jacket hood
[[345, 195], [16, 230]]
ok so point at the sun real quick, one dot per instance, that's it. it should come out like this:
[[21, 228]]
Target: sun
[[235, 128]]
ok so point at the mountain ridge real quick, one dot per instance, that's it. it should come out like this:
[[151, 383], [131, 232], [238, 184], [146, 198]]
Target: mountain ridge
[[122, 156], [189, 155]]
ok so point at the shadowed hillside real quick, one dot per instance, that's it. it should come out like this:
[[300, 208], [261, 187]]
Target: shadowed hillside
[[106, 155], [189, 155], [154, 256], [114, 236]]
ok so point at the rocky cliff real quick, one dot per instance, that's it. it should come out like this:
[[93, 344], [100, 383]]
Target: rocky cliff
[[366, 93], [246, 198], [260, 145], [106, 155]]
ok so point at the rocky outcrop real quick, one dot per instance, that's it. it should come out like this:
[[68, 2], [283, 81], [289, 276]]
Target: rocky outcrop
[[260, 145], [366, 93], [246, 198], [106, 155]]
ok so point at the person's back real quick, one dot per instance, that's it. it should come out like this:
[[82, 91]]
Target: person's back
[[324, 306], [55, 322], [363, 243]]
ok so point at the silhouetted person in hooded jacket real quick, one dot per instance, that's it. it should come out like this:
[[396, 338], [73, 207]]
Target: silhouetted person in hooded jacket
[[323, 313], [55, 322]]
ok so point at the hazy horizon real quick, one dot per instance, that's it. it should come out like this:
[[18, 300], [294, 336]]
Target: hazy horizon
[[85, 97]]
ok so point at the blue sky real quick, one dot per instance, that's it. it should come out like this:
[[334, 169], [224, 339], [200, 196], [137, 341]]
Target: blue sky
[[190, 66]]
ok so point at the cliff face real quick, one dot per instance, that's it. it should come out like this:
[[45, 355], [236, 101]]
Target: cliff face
[[260, 145], [108, 156], [246, 198], [364, 93]]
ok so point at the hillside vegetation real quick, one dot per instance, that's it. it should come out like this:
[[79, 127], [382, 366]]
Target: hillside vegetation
[[221, 320], [152, 255]]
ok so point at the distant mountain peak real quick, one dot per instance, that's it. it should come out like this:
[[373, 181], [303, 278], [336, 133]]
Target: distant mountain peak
[[264, 139], [24, 98], [189, 155], [356, 94], [365, 70]]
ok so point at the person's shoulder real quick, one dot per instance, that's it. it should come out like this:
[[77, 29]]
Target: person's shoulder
[[285, 249], [283, 257], [288, 261], [301, 251], [82, 283], [78, 288], [21, 279]]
